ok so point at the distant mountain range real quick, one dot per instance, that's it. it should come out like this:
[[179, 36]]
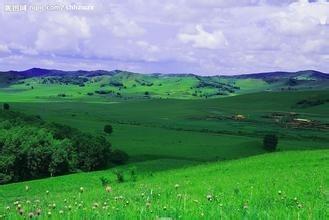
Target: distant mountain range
[[38, 72], [129, 84]]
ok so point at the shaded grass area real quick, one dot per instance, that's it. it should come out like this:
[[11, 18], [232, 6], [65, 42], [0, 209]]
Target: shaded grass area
[[194, 130]]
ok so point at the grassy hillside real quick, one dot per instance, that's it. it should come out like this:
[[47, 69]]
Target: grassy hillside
[[55, 85], [195, 130], [285, 185], [169, 125]]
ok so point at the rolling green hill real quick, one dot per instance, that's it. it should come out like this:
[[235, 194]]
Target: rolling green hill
[[195, 130], [285, 185], [41, 84], [194, 145]]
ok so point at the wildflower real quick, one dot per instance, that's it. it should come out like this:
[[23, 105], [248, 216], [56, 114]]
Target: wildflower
[[220, 205], [108, 189], [65, 200], [209, 197], [95, 205], [8, 208], [69, 207], [300, 206], [19, 206], [38, 211], [279, 192], [81, 189], [127, 202], [164, 208], [16, 203], [61, 212], [176, 186], [49, 213], [21, 211], [27, 188], [31, 215], [47, 192], [179, 196], [295, 199], [148, 204], [53, 205], [143, 194], [245, 206], [28, 202]]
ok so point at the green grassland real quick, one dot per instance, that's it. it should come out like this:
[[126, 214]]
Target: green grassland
[[128, 85], [195, 130], [202, 134], [285, 185]]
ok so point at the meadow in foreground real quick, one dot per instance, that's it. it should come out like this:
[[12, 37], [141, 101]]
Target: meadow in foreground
[[283, 185]]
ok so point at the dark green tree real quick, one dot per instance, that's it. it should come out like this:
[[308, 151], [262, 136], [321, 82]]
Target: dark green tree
[[108, 129], [270, 142], [6, 106], [119, 157]]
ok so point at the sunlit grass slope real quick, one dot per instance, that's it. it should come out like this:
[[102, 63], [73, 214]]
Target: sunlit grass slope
[[284, 185]]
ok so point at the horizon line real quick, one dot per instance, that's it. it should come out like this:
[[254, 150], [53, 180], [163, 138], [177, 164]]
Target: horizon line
[[178, 73]]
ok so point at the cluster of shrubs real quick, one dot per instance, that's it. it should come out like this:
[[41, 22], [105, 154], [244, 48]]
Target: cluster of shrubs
[[311, 102], [66, 80], [144, 83], [31, 148]]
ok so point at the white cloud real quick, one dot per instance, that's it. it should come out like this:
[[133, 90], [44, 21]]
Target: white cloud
[[4, 49], [122, 26], [62, 33], [204, 39], [320, 46], [147, 46], [150, 35], [301, 17]]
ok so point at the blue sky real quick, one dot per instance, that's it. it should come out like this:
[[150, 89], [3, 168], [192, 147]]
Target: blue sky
[[169, 36]]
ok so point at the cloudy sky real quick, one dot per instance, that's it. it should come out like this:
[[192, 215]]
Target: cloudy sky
[[169, 36]]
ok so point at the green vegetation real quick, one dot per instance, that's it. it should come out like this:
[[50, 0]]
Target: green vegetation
[[6, 106], [270, 142], [31, 148], [194, 130], [41, 85], [108, 129], [187, 138], [285, 185]]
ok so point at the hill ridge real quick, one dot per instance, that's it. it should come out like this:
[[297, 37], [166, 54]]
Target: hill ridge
[[36, 71]]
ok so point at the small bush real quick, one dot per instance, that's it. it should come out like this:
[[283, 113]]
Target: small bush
[[6, 106], [108, 129], [133, 174], [105, 181], [119, 157], [270, 142], [119, 175]]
